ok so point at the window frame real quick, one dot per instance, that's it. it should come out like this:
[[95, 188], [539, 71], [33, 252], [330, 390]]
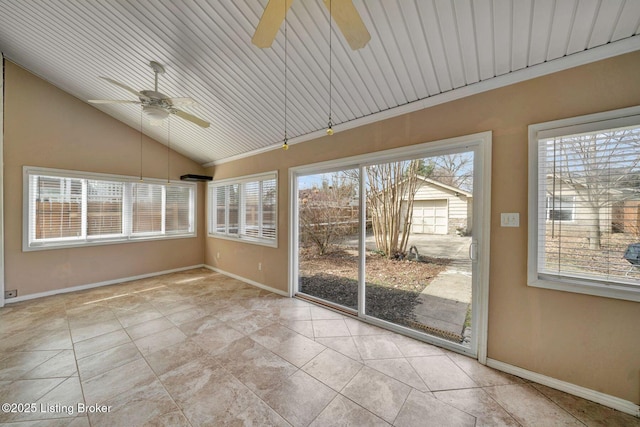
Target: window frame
[[126, 236], [581, 124], [240, 235]]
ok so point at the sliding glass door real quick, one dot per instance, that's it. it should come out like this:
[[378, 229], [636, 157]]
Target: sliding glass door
[[394, 240], [328, 223]]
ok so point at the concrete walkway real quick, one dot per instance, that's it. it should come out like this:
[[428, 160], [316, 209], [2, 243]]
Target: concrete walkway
[[443, 306]]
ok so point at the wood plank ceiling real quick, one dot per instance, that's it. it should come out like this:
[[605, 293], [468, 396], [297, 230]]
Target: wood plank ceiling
[[418, 49]]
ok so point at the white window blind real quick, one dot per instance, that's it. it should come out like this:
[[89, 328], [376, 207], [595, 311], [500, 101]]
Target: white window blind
[[67, 208], [178, 209], [104, 208], [147, 201], [244, 208], [587, 208], [57, 208]]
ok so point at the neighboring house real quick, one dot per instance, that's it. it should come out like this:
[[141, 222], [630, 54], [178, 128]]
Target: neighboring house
[[441, 209], [568, 211]]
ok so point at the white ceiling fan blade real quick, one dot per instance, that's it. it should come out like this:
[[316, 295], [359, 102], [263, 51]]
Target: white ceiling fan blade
[[124, 86], [181, 101], [112, 101], [191, 118], [270, 22], [349, 21]]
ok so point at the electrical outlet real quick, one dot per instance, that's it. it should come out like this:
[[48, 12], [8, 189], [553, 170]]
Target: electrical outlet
[[10, 294], [218, 255], [260, 266]]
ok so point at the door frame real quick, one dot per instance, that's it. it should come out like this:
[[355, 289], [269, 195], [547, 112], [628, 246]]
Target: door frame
[[480, 143]]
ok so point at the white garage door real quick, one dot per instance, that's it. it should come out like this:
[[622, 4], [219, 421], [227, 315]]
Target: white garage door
[[429, 216]]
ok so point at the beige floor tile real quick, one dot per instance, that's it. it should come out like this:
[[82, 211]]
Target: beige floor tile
[[590, 413], [159, 340], [330, 328], [303, 327], [200, 325], [343, 412], [422, 409], [332, 368], [285, 362], [299, 398], [25, 391], [216, 340], [100, 343], [529, 407], [223, 400], [15, 365], [172, 357], [414, 348], [289, 345], [99, 363], [136, 407], [251, 322], [83, 331], [482, 375], [133, 317], [400, 369], [377, 393], [184, 316], [376, 347], [477, 402], [295, 313], [440, 373], [357, 327], [343, 345], [319, 313], [254, 365], [61, 365], [133, 375], [148, 328]]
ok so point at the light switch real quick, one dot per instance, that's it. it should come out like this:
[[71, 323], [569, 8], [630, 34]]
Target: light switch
[[510, 219]]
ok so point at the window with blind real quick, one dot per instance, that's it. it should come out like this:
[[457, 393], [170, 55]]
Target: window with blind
[[584, 204], [67, 208], [244, 208]]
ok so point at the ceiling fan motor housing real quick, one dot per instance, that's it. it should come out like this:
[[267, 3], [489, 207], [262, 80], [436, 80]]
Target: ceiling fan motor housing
[[155, 112]]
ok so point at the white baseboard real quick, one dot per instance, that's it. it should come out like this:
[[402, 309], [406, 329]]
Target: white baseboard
[[248, 281], [576, 390], [98, 284]]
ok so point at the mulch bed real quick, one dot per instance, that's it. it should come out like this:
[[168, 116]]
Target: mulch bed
[[393, 286]]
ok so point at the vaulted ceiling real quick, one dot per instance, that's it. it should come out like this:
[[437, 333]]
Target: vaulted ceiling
[[420, 50]]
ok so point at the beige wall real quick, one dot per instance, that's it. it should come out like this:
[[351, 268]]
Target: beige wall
[[48, 128], [585, 340]]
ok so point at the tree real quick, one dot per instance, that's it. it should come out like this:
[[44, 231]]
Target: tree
[[597, 166], [328, 213], [391, 189], [455, 170]]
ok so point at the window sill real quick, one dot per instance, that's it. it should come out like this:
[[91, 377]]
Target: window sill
[[272, 244], [101, 242], [616, 291]]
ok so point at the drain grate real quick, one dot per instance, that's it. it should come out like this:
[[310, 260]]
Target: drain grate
[[437, 332]]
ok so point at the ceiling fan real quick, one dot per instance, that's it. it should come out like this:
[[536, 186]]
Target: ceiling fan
[[156, 105], [342, 11]]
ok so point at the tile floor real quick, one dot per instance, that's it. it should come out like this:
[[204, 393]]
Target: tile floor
[[199, 348]]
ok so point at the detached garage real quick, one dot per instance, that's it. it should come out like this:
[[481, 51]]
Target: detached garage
[[441, 209]]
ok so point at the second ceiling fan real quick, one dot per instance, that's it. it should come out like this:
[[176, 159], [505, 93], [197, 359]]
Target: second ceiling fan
[[342, 11]]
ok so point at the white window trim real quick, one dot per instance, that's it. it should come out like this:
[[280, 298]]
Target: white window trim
[[548, 211], [127, 236], [239, 237], [589, 123]]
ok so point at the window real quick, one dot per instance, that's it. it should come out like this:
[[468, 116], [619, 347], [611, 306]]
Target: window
[[66, 208], [560, 208], [584, 193], [244, 208]]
